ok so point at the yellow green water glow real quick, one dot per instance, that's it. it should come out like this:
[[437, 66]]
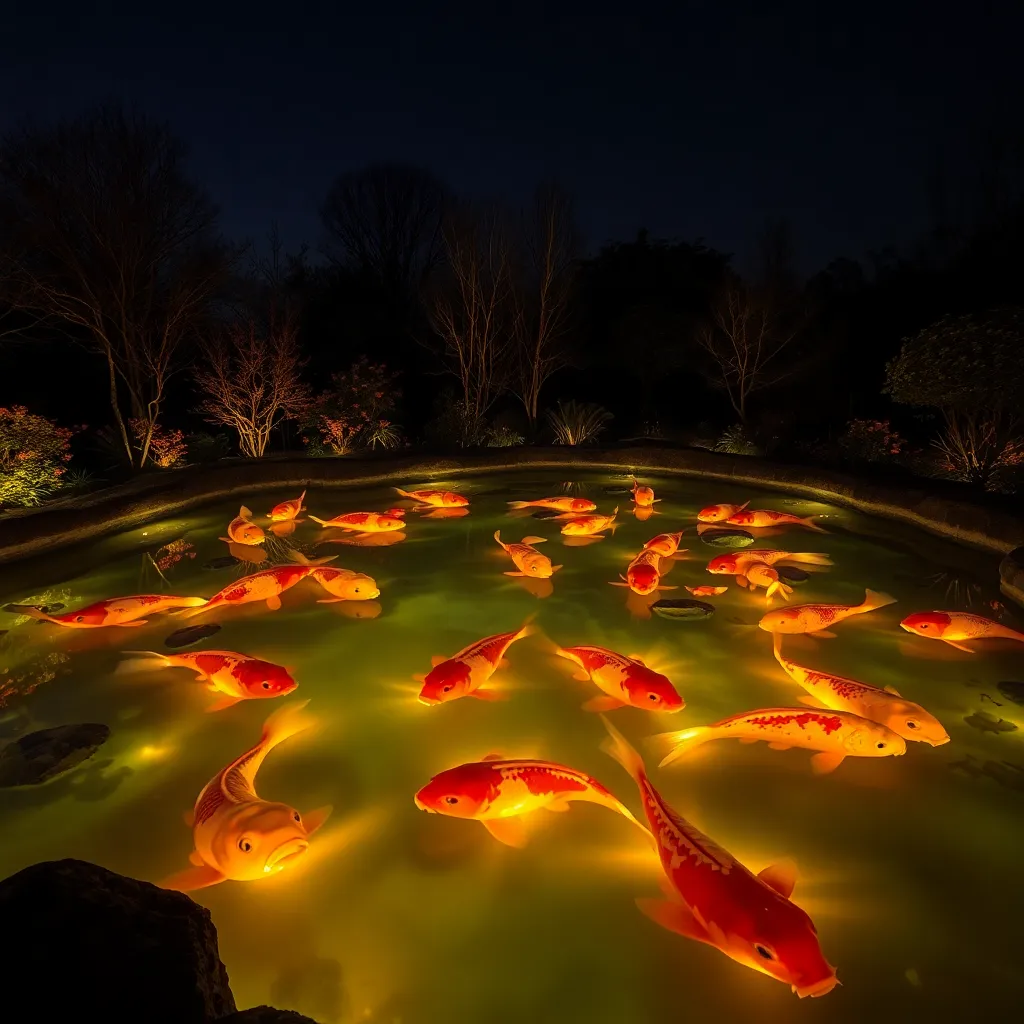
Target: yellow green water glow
[[911, 867]]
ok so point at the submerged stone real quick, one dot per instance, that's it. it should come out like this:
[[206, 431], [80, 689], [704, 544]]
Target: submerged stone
[[791, 574], [727, 538], [39, 756], [191, 635], [683, 608], [224, 562], [1013, 691]]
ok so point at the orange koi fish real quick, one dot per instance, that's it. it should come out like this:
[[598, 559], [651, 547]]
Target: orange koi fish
[[643, 497], [561, 504], [364, 523], [287, 509], [762, 517], [716, 900], [813, 618], [719, 513], [234, 676], [758, 574], [627, 682], [732, 562], [588, 526], [835, 734], [665, 544], [463, 674], [435, 499], [903, 717], [529, 561], [643, 575], [239, 836], [498, 791], [116, 611], [345, 585], [242, 530], [267, 585], [951, 627], [706, 591]]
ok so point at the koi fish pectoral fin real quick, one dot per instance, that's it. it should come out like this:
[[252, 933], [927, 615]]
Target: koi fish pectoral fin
[[274, 603], [142, 622], [198, 877], [482, 694], [780, 745], [227, 701], [675, 917], [825, 762], [189, 817], [583, 676], [892, 690], [822, 634], [559, 806], [952, 643], [515, 574], [602, 703], [509, 831], [312, 820], [780, 876]]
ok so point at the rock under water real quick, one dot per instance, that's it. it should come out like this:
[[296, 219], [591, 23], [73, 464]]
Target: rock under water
[[39, 756], [1012, 690], [191, 635], [727, 538], [683, 608]]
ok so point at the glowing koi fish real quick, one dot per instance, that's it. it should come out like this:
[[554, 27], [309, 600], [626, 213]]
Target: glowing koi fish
[[952, 627], [560, 504], [529, 561], [627, 682], [714, 899], [719, 513], [760, 518], [345, 585], [813, 618], [116, 611], [436, 499], [706, 591], [464, 674], [287, 510], [239, 836], [364, 523], [643, 497], [588, 526], [242, 530], [665, 544], [643, 575]]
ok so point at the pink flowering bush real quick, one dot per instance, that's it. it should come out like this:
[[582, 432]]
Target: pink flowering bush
[[34, 453], [872, 441]]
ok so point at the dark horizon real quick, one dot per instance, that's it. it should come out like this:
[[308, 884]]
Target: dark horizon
[[697, 124]]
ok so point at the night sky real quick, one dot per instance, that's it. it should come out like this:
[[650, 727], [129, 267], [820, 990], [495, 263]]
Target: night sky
[[695, 120]]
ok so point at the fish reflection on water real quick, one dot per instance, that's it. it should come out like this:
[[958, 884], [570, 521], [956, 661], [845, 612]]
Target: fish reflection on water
[[442, 593]]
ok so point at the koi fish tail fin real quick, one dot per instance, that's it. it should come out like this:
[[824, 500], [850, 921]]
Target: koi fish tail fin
[[244, 513], [531, 540], [302, 498], [296, 556], [404, 494], [497, 537], [143, 661], [190, 613], [874, 599], [284, 723], [1006, 633], [778, 587], [322, 522], [520, 504], [619, 748], [37, 613], [527, 628], [809, 558], [681, 742], [812, 525]]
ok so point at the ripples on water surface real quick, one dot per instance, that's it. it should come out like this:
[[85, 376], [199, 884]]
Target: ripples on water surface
[[911, 867]]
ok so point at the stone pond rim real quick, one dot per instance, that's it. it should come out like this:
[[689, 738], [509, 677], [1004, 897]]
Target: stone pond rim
[[165, 493]]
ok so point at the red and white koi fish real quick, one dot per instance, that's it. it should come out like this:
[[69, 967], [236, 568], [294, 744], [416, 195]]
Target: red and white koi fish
[[364, 522], [267, 585], [886, 706], [464, 674], [560, 504], [345, 585], [627, 682], [436, 499], [719, 513], [732, 562], [954, 627], [759, 574], [665, 544], [813, 618], [529, 561], [643, 497], [588, 526], [835, 734], [714, 899], [643, 575], [239, 836], [759, 518], [706, 591], [498, 791], [234, 676], [287, 509], [242, 530], [116, 611]]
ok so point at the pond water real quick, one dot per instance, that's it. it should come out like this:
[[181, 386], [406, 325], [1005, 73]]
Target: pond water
[[909, 866]]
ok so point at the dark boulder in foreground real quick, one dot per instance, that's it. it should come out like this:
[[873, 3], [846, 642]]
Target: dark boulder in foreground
[[266, 1015], [39, 756], [83, 943]]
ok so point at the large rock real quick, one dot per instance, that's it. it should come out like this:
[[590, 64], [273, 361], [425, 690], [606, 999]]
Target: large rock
[[81, 943], [43, 755], [266, 1015]]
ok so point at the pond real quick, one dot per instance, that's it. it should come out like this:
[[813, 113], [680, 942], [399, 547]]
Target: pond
[[909, 866]]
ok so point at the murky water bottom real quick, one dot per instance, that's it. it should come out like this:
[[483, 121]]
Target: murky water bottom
[[911, 867]]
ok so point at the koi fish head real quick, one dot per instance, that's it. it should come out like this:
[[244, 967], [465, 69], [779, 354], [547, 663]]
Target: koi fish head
[[445, 682], [94, 615], [453, 500], [872, 739], [261, 838], [912, 722], [537, 565], [728, 565], [348, 585], [651, 689], [643, 578], [643, 496], [932, 624], [716, 513], [263, 678], [461, 792], [247, 533], [581, 505], [780, 940], [782, 620], [388, 521]]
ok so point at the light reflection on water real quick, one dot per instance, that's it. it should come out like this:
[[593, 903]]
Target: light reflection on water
[[910, 866]]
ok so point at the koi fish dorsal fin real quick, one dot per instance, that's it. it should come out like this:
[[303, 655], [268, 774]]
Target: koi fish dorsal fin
[[244, 513], [534, 540], [509, 831], [494, 756], [892, 690], [193, 878], [781, 876]]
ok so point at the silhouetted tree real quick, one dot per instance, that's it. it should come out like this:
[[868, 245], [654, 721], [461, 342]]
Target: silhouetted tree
[[112, 241]]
